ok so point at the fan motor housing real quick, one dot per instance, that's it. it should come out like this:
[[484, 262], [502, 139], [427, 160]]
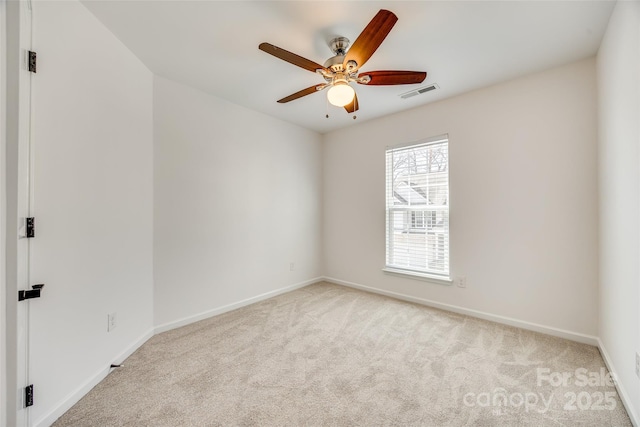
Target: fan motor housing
[[335, 63]]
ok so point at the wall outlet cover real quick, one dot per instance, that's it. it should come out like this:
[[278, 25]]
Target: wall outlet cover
[[111, 322]]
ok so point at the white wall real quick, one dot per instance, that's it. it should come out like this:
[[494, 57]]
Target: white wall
[[619, 177], [523, 199], [93, 204], [237, 198]]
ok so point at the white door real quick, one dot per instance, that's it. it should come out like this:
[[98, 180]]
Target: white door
[[19, 207]]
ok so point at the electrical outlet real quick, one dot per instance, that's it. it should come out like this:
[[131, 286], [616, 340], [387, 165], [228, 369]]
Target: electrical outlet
[[111, 322], [462, 281], [292, 266], [638, 365]]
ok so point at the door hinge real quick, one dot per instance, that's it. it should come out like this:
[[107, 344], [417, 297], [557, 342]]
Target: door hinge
[[28, 396], [32, 61], [34, 293], [31, 227]]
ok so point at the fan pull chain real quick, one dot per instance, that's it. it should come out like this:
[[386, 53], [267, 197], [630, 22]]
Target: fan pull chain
[[326, 107]]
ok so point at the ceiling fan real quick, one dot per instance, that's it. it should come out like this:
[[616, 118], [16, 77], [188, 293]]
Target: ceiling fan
[[342, 69]]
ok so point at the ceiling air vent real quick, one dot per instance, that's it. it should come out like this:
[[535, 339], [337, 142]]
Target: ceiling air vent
[[419, 91]]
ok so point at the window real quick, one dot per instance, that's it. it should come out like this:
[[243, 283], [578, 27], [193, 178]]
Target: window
[[418, 208]]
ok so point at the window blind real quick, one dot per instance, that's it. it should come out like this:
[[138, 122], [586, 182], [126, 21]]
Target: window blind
[[417, 207]]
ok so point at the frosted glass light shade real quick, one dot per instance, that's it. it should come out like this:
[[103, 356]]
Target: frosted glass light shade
[[340, 94]]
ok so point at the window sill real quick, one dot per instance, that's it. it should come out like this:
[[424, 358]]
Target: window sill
[[441, 280]]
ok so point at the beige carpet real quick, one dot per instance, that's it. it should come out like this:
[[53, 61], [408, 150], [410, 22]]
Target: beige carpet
[[329, 355]]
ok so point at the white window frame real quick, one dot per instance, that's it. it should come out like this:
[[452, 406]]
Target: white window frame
[[443, 276]]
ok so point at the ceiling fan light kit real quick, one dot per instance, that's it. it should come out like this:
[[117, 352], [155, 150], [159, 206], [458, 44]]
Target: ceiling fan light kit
[[342, 69], [340, 93]]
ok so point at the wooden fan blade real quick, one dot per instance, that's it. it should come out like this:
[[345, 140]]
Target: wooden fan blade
[[353, 106], [394, 77], [370, 39], [303, 92], [291, 58]]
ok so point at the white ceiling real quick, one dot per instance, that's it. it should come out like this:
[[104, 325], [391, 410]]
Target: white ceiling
[[213, 46]]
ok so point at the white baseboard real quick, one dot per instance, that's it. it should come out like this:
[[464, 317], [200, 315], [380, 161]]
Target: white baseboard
[[67, 402], [561, 333], [626, 401], [229, 307]]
